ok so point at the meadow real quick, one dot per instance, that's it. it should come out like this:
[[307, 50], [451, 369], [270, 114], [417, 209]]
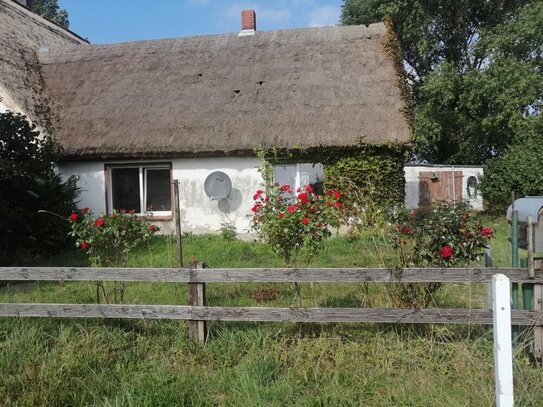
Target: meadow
[[79, 362]]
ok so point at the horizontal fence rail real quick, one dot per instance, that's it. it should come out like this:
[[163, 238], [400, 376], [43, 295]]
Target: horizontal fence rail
[[268, 275], [197, 312], [182, 312]]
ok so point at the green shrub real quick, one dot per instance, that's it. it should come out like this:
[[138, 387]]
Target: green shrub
[[108, 239], [374, 177], [519, 169], [444, 236], [30, 192], [290, 221]]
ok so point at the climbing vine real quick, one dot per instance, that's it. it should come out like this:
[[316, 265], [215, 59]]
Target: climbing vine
[[372, 173]]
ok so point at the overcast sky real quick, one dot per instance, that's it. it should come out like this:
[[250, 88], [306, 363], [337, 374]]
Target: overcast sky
[[106, 21]]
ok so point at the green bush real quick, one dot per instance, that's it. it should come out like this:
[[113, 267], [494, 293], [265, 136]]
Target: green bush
[[444, 236], [30, 192], [294, 221], [108, 239], [374, 177], [519, 169]]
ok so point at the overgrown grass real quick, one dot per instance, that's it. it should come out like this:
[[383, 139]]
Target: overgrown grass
[[152, 363]]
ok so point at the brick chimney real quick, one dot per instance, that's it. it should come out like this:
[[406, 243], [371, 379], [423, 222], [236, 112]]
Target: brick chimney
[[248, 22]]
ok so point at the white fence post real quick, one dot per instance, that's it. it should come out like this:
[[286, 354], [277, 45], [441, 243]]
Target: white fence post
[[503, 352]]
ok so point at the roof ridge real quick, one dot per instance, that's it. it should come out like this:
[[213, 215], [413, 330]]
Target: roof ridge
[[31, 14]]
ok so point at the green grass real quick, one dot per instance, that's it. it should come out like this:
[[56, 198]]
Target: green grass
[[78, 362]]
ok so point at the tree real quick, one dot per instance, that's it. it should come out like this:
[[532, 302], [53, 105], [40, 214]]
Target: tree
[[519, 169], [28, 187], [473, 68], [50, 10]]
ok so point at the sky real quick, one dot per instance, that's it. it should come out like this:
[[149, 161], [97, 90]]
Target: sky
[[107, 21]]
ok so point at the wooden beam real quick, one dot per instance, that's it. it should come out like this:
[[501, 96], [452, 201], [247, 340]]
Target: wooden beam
[[181, 312], [286, 275], [197, 297]]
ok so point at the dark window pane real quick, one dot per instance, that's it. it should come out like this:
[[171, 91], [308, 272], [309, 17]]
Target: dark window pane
[[158, 190], [125, 186]]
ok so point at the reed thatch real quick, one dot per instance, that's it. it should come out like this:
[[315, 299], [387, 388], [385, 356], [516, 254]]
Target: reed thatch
[[22, 34], [225, 94]]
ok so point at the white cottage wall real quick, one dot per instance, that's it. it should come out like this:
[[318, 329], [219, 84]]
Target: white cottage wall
[[199, 214]]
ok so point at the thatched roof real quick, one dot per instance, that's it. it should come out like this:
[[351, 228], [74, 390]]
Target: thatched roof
[[22, 33], [225, 94]]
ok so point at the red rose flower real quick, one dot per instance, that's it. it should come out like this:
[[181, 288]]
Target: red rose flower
[[84, 211], [487, 232], [256, 207], [99, 222], [281, 215], [406, 230], [257, 194], [285, 188], [73, 217], [308, 189], [446, 251], [84, 245], [336, 194], [131, 211], [305, 221], [338, 204], [152, 228], [303, 198], [292, 208]]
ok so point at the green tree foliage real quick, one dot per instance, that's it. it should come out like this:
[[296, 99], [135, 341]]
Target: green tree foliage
[[519, 169], [50, 10], [28, 184], [473, 68]]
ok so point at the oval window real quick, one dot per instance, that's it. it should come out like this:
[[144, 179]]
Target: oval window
[[472, 187]]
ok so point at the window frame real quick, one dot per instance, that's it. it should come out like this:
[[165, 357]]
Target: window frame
[[142, 177], [298, 171]]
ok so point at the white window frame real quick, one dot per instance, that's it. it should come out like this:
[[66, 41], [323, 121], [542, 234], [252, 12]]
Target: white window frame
[[297, 175], [142, 186]]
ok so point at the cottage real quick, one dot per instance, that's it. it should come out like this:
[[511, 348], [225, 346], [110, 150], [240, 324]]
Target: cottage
[[132, 117]]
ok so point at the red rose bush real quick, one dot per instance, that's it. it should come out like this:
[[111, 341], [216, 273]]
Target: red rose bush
[[444, 236], [294, 222], [109, 239]]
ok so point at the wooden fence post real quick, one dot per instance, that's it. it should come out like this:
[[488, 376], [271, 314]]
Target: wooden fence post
[[197, 297]]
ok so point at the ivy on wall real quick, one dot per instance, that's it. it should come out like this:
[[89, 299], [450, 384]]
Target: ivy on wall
[[371, 177]]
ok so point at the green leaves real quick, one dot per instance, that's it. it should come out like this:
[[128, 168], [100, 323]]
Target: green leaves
[[443, 236], [474, 71], [31, 194], [295, 221], [109, 239], [50, 10]]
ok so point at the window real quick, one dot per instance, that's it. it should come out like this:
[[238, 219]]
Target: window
[[300, 175], [141, 188]]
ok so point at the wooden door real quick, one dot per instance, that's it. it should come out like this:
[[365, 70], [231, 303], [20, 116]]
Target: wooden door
[[439, 186]]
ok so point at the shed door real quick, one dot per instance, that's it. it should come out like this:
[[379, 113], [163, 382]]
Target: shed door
[[441, 189]]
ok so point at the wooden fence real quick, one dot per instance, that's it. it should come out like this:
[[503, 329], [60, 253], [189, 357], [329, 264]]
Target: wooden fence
[[197, 312]]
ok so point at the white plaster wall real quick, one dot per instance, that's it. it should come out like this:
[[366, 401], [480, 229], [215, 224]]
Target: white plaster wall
[[91, 182], [412, 183], [199, 214]]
